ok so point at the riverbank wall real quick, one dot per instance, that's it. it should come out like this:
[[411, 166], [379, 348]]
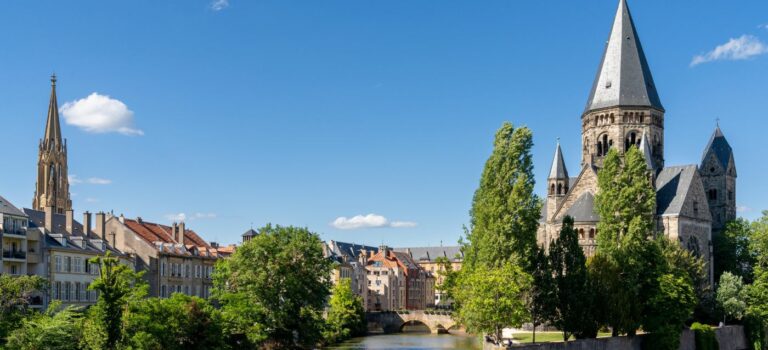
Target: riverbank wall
[[729, 338]]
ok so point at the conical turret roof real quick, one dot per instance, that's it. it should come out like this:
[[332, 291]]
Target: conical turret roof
[[718, 146], [558, 170], [645, 147], [623, 78]]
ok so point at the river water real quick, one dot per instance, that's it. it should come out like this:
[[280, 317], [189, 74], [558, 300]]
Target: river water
[[412, 341]]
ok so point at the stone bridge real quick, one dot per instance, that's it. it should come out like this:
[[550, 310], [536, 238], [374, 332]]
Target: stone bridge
[[393, 322]]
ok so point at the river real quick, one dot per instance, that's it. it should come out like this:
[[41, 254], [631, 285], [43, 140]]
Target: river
[[407, 341]]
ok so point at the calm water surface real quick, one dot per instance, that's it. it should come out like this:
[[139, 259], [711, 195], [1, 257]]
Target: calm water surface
[[414, 341]]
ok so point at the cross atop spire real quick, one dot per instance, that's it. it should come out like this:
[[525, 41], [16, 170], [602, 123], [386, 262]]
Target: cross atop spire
[[624, 78], [52, 126]]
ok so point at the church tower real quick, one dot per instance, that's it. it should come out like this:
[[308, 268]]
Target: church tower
[[718, 173], [558, 183], [52, 187], [623, 104]]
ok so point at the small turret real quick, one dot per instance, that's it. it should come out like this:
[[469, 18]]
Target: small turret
[[718, 173], [558, 182], [645, 148]]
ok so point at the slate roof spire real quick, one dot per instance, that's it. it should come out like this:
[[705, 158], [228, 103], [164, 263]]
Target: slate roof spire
[[718, 146], [52, 126], [558, 170], [624, 78]]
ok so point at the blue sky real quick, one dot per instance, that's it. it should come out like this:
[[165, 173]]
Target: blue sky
[[301, 112]]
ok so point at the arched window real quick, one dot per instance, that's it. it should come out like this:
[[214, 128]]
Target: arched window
[[559, 189], [712, 194], [591, 233], [552, 189], [581, 233]]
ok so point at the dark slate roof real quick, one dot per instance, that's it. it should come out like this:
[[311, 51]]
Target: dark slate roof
[[7, 207], [250, 233], [350, 249], [672, 185], [558, 170], [37, 219], [89, 245], [624, 78], [719, 146], [431, 253], [583, 210]]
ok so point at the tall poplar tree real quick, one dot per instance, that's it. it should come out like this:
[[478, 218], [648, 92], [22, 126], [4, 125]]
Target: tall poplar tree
[[505, 212], [570, 276]]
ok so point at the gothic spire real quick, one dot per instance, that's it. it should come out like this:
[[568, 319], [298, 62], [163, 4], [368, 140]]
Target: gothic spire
[[52, 126], [623, 78], [558, 170]]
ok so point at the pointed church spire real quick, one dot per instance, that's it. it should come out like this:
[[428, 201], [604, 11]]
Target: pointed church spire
[[645, 147], [623, 78], [718, 146], [52, 126], [558, 170]]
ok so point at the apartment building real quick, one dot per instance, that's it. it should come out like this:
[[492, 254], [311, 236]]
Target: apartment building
[[428, 258], [13, 236], [175, 259]]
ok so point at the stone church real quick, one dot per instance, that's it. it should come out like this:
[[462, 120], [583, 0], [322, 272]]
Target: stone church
[[693, 202]]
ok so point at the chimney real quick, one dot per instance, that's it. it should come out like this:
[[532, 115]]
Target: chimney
[[385, 250], [122, 218], [100, 223], [49, 219], [87, 224], [70, 221], [181, 231]]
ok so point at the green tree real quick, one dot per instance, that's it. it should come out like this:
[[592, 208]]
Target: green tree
[[492, 298], [668, 309], [731, 250], [346, 316], [571, 280], [757, 302], [446, 277], [626, 206], [176, 323], [731, 296], [55, 329], [118, 286], [505, 212], [16, 293], [273, 289], [542, 297]]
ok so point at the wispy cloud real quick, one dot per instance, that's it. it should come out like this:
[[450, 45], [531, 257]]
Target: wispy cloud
[[91, 200], [763, 26], [74, 180], [184, 217], [218, 5], [742, 48], [368, 221], [743, 209], [100, 114]]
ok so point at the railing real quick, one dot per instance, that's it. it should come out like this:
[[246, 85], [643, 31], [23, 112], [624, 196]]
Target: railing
[[14, 254], [14, 232]]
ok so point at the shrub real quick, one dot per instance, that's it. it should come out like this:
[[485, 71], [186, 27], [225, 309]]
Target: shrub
[[705, 337]]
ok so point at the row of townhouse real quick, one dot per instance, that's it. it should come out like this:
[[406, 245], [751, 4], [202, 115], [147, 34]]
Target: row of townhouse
[[385, 279]]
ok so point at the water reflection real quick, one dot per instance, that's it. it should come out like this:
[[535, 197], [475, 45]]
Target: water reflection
[[415, 341]]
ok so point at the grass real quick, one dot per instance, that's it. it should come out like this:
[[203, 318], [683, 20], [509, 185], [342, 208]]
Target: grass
[[546, 337]]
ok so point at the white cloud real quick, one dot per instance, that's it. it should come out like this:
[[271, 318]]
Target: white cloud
[[91, 200], [184, 217], [74, 180], [742, 48], [743, 208], [218, 5], [100, 114], [99, 181], [368, 221]]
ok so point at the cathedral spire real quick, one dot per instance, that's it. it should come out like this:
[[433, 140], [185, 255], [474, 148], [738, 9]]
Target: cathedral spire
[[52, 126], [624, 78]]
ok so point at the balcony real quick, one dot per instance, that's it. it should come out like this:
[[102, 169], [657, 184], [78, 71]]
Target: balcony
[[14, 254], [14, 233]]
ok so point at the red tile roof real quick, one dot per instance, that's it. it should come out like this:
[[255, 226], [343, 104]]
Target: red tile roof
[[152, 232]]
